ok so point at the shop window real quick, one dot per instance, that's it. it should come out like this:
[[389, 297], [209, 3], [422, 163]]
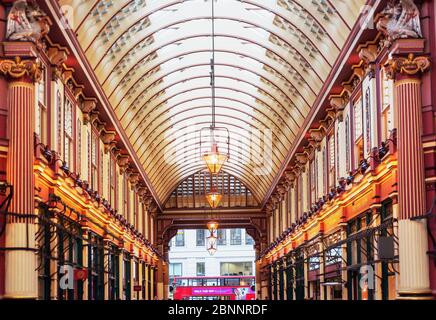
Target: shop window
[[235, 237], [113, 273], [360, 252], [314, 263], [333, 256], [95, 267], [59, 241], [136, 275], [127, 281]]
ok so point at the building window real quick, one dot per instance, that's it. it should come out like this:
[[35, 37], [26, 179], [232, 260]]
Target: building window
[[368, 121], [358, 132], [59, 120], [176, 270], [125, 197], [68, 132], [325, 170], [112, 180], [347, 143], [41, 110], [333, 256], [94, 162], [300, 196], [387, 98], [314, 263], [201, 237], [180, 238], [222, 238], [201, 269], [332, 161], [358, 120], [312, 170], [235, 237], [249, 241], [100, 173], [236, 269], [79, 147]]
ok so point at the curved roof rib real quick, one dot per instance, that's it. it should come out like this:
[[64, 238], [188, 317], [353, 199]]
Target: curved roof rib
[[152, 59]]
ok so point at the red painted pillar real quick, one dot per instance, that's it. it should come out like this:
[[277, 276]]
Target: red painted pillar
[[406, 69], [20, 259], [3, 143]]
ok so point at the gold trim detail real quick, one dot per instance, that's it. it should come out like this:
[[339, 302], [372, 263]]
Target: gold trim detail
[[407, 66], [19, 68]]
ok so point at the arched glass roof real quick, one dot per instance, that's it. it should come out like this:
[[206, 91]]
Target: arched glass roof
[[153, 60]]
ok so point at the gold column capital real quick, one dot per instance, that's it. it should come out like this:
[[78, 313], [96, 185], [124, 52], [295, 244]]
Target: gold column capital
[[407, 66], [18, 68]]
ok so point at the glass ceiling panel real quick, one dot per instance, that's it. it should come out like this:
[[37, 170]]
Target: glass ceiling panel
[[152, 59]]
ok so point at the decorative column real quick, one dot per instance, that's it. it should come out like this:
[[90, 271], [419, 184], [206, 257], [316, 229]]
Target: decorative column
[[20, 259], [413, 237]]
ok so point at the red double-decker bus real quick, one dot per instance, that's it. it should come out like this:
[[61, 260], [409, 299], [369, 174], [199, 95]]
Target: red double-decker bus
[[213, 288]]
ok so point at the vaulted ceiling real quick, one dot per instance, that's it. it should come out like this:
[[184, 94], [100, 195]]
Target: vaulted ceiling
[[152, 59]]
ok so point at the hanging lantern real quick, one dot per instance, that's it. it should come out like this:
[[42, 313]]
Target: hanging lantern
[[215, 160], [212, 226], [212, 250], [214, 198], [212, 240]]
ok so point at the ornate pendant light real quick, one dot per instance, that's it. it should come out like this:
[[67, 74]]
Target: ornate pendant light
[[214, 197], [212, 249], [212, 226], [214, 159], [212, 242]]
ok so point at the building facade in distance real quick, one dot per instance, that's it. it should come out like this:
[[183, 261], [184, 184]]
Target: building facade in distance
[[189, 256]]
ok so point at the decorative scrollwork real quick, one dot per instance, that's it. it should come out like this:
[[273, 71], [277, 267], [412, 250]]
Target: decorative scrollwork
[[407, 66], [19, 68]]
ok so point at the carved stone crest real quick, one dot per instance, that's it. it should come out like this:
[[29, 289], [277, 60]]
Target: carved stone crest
[[400, 20], [27, 22]]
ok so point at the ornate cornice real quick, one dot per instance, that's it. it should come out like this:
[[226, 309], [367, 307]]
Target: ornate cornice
[[18, 69]]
